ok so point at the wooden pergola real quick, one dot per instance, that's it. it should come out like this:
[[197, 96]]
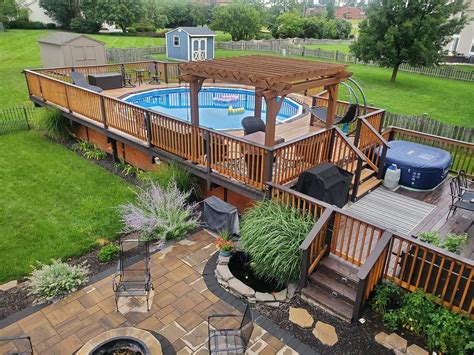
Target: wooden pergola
[[273, 78]]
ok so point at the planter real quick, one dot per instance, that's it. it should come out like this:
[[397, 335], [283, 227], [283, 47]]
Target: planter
[[224, 253]]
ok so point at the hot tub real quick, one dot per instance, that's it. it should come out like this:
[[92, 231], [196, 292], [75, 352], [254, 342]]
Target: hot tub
[[422, 167]]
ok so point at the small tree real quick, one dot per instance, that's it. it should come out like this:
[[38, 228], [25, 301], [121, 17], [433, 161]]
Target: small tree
[[122, 13], [241, 20], [63, 11], [288, 25], [12, 10], [413, 32]]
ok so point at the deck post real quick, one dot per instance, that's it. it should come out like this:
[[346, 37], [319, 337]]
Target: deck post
[[357, 133], [273, 107], [382, 162], [304, 270], [148, 128], [332, 102], [166, 72], [258, 105], [355, 186], [312, 117], [103, 112], [195, 85], [268, 166]]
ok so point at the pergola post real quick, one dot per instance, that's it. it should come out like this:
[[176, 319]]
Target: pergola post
[[195, 85], [258, 105], [273, 107], [332, 102]]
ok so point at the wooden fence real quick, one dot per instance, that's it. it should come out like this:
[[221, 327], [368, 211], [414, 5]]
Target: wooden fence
[[18, 118], [379, 253], [123, 55]]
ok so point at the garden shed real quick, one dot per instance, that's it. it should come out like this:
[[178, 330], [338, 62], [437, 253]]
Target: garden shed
[[62, 49], [190, 43]]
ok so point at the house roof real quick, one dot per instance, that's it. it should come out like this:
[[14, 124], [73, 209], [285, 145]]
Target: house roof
[[64, 37], [196, 31]]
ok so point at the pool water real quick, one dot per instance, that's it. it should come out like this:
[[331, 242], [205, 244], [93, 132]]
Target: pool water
[[213, 105]]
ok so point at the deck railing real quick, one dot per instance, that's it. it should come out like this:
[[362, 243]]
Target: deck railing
[[462, 153], [379, 253]]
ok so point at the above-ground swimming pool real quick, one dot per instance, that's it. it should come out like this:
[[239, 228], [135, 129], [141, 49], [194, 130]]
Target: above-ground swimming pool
[[214, 105]]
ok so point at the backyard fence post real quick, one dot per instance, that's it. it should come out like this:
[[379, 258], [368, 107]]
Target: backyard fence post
[[26, 118]]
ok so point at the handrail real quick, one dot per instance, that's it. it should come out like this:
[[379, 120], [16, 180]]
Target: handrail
[[374, 131], [374, 255], [300, 195], [353, 147], [316, 228], [99, 65], [429, 135]]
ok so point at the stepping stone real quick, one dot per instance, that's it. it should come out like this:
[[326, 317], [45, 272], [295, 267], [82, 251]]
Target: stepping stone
[[325, 333], [416, 350], [381, 338], [396, 342], [9, 285], [301, 317]]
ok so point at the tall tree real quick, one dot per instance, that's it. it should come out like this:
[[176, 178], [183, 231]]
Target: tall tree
[[201, 14], [241, 20], [122, 13], [413, 32], [330, 9], [12, 10], [63, 11]]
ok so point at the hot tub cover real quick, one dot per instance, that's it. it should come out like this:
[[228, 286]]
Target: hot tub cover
[[422, 166]]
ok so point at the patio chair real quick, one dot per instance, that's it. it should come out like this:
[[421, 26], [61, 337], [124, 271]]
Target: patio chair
[[350, 115], [460, 199], [21, 345], [464, 182], [79, 79], [126, 78], [252, 124], [133, 280], [229, 340]]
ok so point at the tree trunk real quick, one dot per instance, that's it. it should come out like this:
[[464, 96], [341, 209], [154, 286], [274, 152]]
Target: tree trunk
[[394, 72]]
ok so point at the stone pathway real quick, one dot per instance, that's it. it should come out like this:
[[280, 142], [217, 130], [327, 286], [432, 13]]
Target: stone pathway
[[178, 309], [324, 332], [399, 344]]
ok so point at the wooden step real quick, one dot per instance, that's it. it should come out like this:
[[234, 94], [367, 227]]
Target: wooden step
[[336, 288], [340, 270], [368, 186], [365, 174], [323, 299]]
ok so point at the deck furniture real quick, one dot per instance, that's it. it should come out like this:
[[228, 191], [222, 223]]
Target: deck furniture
[[252, 124], [225, 339], [464, 182], [22, 344], [133, 281], [221, 216], [139, 75], [106, 81], [126, 79], [80, 80], [459, 198], [351, 114]]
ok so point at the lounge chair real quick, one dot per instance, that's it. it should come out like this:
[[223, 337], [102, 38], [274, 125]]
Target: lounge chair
[[321, 114], [79, 79], [252, 124]]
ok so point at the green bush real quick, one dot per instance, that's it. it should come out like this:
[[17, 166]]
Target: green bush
[[451, 242], [131, 30], [89, 150], [128, 169], [430, 237], [82, 25], [384, 293], [57, 279], [54, 125], [50, 26], [164, 174], [26, 25], [108, 253], [271, 234], [144, 27]]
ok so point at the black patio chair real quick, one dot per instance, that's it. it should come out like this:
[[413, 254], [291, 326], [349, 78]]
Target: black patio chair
[[133, 280], [464, 182], [126, 78], [233, 340], [459, 199], [80, 80], [252, 124], [350, 115], [21, 345]]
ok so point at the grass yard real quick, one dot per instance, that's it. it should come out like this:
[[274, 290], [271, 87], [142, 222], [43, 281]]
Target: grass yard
[[54, 203], [449, 101], [343, 48], [114, 41]]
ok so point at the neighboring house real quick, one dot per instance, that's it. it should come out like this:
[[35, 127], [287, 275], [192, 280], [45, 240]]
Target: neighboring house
[[315, 10], [65, 49], [190, 43], [37, 13], [463, 42], [349, 13]]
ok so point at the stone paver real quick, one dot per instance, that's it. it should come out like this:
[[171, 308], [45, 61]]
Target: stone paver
[[301, 317], [416, 350], [396, 342], [178, 310], [325, 333], [9, 285]]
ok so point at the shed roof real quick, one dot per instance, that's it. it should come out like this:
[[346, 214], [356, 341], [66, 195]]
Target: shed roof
[[196, 31], [64, 37]]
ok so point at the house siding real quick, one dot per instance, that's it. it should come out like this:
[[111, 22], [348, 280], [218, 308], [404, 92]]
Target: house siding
[[181, 52]]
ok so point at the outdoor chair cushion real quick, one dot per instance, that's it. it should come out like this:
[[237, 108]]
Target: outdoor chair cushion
[[253, 124], [226, 342]]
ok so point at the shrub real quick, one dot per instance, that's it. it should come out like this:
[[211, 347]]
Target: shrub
[[89, 150], [26, 25], [384, 293], [50, 26], [127, 169], [108, 253], [451, 242], [144, 27], [271, 234], [82, 25], [160, 213], [57, 279], [165, 174], [430, 237], [131, 30], [55, 125]]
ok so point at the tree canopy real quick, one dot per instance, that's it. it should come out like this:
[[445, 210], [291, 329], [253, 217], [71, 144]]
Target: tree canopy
[[413, 32], [12, 10], [62, 11], [122, 13], [241, 20]]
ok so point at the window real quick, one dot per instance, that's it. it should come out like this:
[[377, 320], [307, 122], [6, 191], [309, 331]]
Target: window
[[472, 47], [176, 41], [454, 44]]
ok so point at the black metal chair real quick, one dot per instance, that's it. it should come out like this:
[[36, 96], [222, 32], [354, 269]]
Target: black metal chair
[[464, 182], [80, 80], [126, 78], [252, 124], [134, 280], [230, 340], [459, 199], [350, 115], [20, 345]]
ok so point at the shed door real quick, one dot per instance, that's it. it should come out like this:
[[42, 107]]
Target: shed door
[[84, 55], [199, 49]]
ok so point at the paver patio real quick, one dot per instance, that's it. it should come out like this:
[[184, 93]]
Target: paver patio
[[178, 310]]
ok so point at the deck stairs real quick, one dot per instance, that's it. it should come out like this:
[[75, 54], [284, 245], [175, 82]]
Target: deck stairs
[[333, 287], [367, 183]]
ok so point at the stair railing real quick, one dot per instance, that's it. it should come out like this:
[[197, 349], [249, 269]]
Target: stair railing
[[316, 245], [372, 272]]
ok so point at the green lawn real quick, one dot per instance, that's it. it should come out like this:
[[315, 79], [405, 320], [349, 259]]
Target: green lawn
[[114, 41], [54, 203], [343, 48], [449, 101]]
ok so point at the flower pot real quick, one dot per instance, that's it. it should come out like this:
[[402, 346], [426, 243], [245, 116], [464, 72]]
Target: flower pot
[[224, 253]]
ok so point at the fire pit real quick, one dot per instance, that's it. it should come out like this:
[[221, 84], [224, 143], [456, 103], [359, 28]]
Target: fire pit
[[122, 341]]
